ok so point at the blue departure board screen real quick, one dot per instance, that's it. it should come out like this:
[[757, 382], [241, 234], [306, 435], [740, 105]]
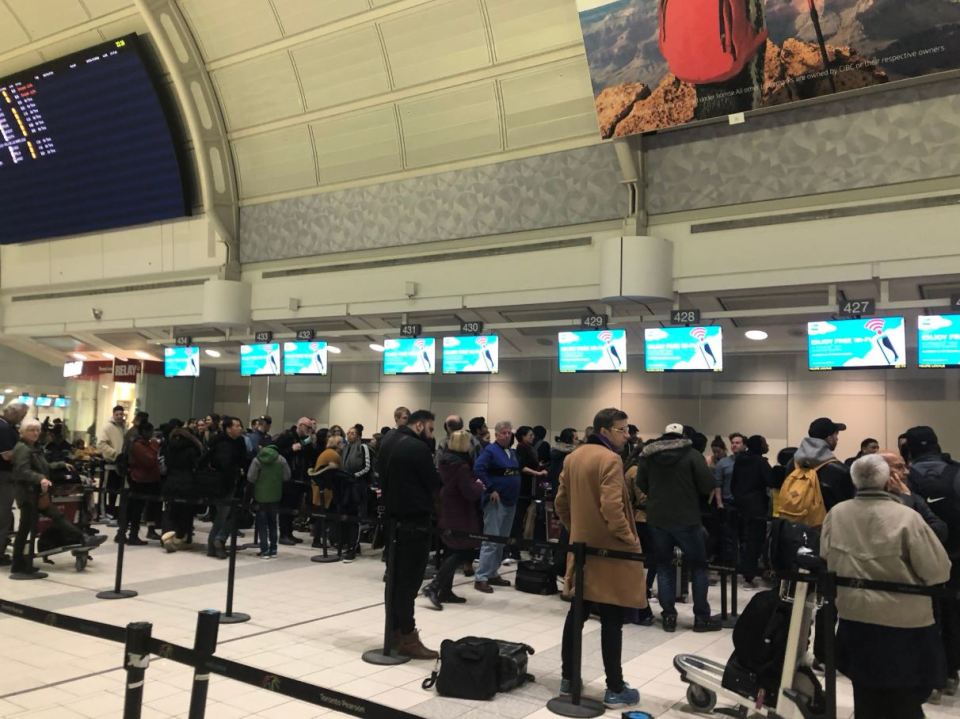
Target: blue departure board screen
[[85, 145], [181, 361]]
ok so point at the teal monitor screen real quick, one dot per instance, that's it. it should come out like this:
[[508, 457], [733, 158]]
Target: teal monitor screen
[[410, 355], [593, 351], [938, 340], [260, 360], [304, 358], [62, 402], [683, 349], [877, 343], [181, 362], [471, 354]]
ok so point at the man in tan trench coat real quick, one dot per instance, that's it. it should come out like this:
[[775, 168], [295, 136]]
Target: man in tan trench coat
[[594, 505]]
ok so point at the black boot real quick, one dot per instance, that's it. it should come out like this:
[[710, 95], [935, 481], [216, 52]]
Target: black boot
[[432, 593]]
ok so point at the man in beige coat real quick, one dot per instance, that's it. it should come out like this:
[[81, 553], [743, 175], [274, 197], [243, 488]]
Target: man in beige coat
[[594, 505]]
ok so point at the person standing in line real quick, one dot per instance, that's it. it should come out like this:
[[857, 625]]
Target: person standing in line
[[228, 458], [410, 485], [675, 477], [401, 417], [144, 462], [13, 415], [459, 510], [593, 503], [110, 446], [358, 466], [752, 478], [267, 473], [499, 470], [297, 447], [531, 475], [887, 643]]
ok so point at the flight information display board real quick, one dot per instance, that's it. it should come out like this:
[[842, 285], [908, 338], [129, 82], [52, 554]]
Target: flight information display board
[[593, 351], [85, 145], [181, 361], [304, 358], [879, 342], [938, 340], [469, 354], [410, 355], [260, 360], [683, 349]]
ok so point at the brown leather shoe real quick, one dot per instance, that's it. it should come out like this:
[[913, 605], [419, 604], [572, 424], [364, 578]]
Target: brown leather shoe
[[409, 645], [483, 587], [498, 582]]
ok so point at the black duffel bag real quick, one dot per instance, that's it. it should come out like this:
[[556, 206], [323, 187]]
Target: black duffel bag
[[477, 668], [536, 576]]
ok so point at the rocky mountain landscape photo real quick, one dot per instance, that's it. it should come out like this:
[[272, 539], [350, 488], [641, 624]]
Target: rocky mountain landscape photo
[[868, 42]]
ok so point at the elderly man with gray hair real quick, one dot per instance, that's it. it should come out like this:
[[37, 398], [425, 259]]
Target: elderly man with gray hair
[[499, 470], [888, 643], [11, 416]]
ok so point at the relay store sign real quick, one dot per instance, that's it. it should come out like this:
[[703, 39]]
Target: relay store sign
[[126, 370]]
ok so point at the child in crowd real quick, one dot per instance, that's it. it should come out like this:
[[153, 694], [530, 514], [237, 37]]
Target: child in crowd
[[267, 473]]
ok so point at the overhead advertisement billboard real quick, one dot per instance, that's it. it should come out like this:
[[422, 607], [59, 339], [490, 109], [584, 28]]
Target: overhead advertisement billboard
[[661, 63], [592, 351], [679, 349], [879, 342]]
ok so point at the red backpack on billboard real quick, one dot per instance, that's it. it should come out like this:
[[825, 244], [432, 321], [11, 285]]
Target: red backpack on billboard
[[708, 41]]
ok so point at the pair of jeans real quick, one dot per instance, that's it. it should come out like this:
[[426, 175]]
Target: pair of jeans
[[611, 641], [690, 540], [452, 558], [497, 522], [220, 529], [873, 703], [267, 527], [410, 561]]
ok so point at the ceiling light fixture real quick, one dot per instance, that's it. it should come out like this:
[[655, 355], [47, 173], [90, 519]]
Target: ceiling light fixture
[[211, 353], [335, 350], [377, 348], [756, 335]]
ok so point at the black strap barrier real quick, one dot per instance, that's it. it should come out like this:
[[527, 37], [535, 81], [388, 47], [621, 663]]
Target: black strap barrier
[[63, 621]]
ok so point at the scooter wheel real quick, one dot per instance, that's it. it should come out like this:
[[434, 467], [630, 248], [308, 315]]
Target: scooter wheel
[[700, 698]]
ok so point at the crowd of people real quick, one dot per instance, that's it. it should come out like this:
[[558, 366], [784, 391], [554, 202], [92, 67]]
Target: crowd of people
[[885, 515]]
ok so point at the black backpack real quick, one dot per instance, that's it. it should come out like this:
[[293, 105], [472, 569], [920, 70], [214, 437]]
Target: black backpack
[[786, 538], [537, 576], [760, 645], [477, 668], [941, 490]]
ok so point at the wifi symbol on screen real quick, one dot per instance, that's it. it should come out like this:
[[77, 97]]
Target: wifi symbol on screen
[[482, 341], [875, 325], [605, 336], [419, 344], [698, 333]]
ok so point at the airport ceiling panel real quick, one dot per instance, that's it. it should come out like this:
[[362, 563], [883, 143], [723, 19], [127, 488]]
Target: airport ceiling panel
[[442, 39], [74, 43], [451, 125], [48, 17], [12, 34], [226, 27], [300, 15], [259, 90], [276, 161], [357, 145], [320, 65], [548, 104], [98, 8], [526, 27]]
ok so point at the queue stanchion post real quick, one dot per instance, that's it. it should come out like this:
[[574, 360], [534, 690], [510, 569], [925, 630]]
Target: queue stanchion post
[[135, 661], [324, 557], [386, 655], [230, 616], [118, 592], [575, 704], [828, 590], [205, 643]]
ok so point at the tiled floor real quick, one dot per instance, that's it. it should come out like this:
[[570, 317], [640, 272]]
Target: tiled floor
[[312, 622]]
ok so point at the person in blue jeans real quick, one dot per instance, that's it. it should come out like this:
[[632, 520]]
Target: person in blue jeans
[[675, 476], [499, 470], [267, 473]]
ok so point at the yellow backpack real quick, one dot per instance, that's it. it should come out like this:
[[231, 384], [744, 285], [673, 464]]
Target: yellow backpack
[[801, 500]]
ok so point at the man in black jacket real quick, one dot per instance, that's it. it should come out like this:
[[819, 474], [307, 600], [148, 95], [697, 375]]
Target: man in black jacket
[[752, 476], [228, 457], [298, 447], [410, 485], [817, 450]]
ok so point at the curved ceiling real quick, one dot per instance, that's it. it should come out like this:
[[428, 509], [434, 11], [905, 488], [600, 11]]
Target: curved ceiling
[[322, 94]]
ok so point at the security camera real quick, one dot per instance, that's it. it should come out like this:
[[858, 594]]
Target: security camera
[[97, 313]]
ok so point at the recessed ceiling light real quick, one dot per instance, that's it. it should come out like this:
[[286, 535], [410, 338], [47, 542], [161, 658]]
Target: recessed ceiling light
[[376, 347], [756, 335], [335, 350], [211, 353], [8, 390], [78, 356]]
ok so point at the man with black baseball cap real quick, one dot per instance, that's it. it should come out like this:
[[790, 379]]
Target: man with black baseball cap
[[816, 450]]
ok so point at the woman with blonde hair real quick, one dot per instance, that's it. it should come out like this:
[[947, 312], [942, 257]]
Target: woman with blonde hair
[[460, 511]]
